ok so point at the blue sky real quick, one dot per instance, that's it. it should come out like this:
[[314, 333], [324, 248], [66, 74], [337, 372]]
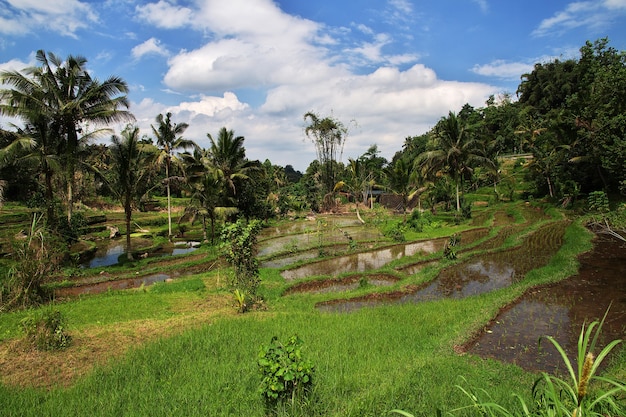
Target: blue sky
[[387, 69]]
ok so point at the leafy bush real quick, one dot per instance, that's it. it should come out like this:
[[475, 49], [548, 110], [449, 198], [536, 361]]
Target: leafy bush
[[598, 201], [45, 330], [285, 374], [35, 259], [239, 248]]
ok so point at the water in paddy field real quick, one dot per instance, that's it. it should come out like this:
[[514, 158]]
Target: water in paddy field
[[477, 275], [559, 310]]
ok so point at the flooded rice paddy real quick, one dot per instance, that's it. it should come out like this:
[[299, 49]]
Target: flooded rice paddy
[[559, 310]]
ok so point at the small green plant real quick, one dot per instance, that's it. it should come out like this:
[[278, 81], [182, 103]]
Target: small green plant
[[449, 249], [240, 298], [45, 330], [285, 374], [598, 201]]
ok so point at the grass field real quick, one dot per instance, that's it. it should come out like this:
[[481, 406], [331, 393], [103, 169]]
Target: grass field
[[180, 349]]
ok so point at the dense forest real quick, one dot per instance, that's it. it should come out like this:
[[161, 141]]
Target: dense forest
[[568, 120]]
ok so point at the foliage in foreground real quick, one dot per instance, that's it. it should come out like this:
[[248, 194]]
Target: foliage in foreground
[[567, 397], [46, 330], [286, 374], [35, 259]]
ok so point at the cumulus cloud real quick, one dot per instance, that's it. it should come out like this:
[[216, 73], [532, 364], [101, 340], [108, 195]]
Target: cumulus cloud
[[284, 58], [63, 16], [164, 14], [150, 47]]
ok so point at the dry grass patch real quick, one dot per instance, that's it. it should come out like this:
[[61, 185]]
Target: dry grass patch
[[21, 365]]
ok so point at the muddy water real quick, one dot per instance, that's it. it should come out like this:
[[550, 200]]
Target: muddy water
[[559, 311], [365, 261], [344, 284], [375, 259], [313, 238], [488, 273], [100, 287]]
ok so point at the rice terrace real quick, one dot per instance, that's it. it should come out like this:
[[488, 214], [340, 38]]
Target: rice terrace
[[480, 272]]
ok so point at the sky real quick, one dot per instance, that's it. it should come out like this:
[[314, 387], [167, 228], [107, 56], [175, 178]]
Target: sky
[[387, 69]]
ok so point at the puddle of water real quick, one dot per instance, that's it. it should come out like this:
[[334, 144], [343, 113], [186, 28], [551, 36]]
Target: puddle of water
[[109, 254], [361, 262], [477, 276], [100, 287], [560, 310], [375, 259], [345, 284], [313, 239]]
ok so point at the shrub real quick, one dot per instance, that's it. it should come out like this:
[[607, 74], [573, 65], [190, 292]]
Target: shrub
[[239, 248], [285, 373], [45, 330], [35, 260], [598, 201]]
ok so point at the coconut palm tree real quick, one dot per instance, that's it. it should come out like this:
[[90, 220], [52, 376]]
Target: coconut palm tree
[[128, 171], [205, 184], [64, 94], [356, 183], [228, 156], [169, 139], [457, 153]]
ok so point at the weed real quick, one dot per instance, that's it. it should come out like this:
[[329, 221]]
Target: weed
[[45, 330], [286, 375]]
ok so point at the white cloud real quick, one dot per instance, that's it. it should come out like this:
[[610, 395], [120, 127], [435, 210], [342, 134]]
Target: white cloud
[[164, 14], [592, 14], [284, 58], [503, 69], [151, 46], [15, 65], [63, 16]]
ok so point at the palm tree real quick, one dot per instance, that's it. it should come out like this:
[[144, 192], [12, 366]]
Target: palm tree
[[205, 183], [328, 135], [458, 151], [401, 179], [169, 139], [228, 156], [356, 183], [64, 94], [128, 173]]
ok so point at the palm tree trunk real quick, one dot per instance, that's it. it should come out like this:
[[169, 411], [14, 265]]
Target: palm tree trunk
[[204, 235], [169, 203], [358, 215], [458, 200], [128, 212]]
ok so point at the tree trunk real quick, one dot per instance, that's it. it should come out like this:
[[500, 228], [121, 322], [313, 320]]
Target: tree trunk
[[458, 200], [204, 235], [169, 203], [358, 215], [128, 211]]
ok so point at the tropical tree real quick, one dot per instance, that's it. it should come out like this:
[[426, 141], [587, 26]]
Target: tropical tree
[[228, 156], [328, 135], [356, 183], [205, 184], [64, 96], [169, 140], [128, 172], [457, 152], [401, 180]]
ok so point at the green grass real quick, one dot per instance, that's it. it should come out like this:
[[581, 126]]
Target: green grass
[[366, 362]]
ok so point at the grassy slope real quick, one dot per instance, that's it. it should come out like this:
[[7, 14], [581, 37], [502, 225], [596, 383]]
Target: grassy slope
[[367, 362]]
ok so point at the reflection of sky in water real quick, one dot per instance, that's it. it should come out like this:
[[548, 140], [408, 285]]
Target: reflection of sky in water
[[109, 257], [364, 261]]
